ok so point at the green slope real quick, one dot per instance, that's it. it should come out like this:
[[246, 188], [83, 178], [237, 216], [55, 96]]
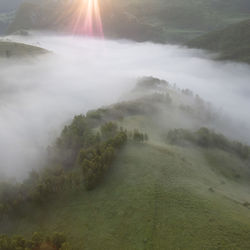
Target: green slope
[[155, 197], [233, 42], [10, 49]]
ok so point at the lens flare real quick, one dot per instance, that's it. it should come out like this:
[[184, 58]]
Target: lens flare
[[87, 18]]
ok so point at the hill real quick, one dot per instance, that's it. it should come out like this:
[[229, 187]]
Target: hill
[[158, 21], [10, 49], [121, 177], [155, 197], [61, 16], [232, 43]]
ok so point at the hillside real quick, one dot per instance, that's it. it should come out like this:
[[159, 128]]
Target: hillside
[[151, 191], [121, 177], [10, 49], [158, 21], [62, 16], [232, 43]]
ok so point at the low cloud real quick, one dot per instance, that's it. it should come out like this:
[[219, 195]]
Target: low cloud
[[38, 96]]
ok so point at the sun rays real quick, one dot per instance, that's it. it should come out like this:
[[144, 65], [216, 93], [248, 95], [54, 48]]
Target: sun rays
[[87, 19]]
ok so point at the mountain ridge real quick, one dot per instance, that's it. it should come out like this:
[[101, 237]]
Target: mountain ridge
[[153, 185], [232, 43]]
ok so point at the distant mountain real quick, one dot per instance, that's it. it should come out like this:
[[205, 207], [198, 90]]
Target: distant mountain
[[183, 20], [158, 21], [5, 20], [60, 16], [233, 42], [7, 12]]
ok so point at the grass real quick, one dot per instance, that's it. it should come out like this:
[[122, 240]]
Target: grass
[[154, 197]]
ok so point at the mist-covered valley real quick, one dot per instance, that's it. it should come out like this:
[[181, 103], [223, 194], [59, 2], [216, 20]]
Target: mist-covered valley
[[39, 95], [124, 124]]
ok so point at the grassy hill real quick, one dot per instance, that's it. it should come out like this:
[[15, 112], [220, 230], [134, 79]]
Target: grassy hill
[[232, 43], [10, 49], [154, 197], [187, 193]]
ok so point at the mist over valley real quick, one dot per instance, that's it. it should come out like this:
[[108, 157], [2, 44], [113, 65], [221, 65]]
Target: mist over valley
[[124, 125], [83, 73]]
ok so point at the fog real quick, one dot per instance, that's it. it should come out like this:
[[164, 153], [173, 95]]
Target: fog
[[39, 96]]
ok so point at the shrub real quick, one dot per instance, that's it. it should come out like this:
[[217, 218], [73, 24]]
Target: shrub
[[58, 239]]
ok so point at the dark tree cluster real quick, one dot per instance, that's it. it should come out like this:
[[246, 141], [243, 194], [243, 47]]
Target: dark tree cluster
[[80, 148], [187, 92], [209, 139], [151, 83], [137, 136], [57, 241], [109, 130], [77, 135], [93, 160], [54, 183], [97, 160], [37, 189], [146, 105]]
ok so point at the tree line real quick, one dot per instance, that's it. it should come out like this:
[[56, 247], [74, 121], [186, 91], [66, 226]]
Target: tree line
[[208, 139], [57, 241], [80, 158]]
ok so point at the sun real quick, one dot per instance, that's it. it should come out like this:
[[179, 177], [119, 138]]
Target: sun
[[87, 18]]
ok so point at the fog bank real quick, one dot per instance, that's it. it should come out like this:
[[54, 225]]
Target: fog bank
[[39, 96]]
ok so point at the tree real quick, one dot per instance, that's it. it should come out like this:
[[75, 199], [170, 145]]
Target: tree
[[58, 239], [37, 239], [109, 130], [138, 137]]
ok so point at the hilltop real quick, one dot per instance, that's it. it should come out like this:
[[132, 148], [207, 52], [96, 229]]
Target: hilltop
[[122, 177]]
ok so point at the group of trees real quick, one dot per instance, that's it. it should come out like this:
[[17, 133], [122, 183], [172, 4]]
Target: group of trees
[[97, 160], [57, 241], [137, 136], [209, 139], [81, 157], [36, 190], [79, 134], [151, 83], [55, 183]]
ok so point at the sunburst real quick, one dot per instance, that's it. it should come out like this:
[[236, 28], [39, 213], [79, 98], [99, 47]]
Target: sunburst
[[87, 19]]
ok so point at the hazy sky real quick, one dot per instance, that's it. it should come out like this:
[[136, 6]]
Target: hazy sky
[[39, 96]]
